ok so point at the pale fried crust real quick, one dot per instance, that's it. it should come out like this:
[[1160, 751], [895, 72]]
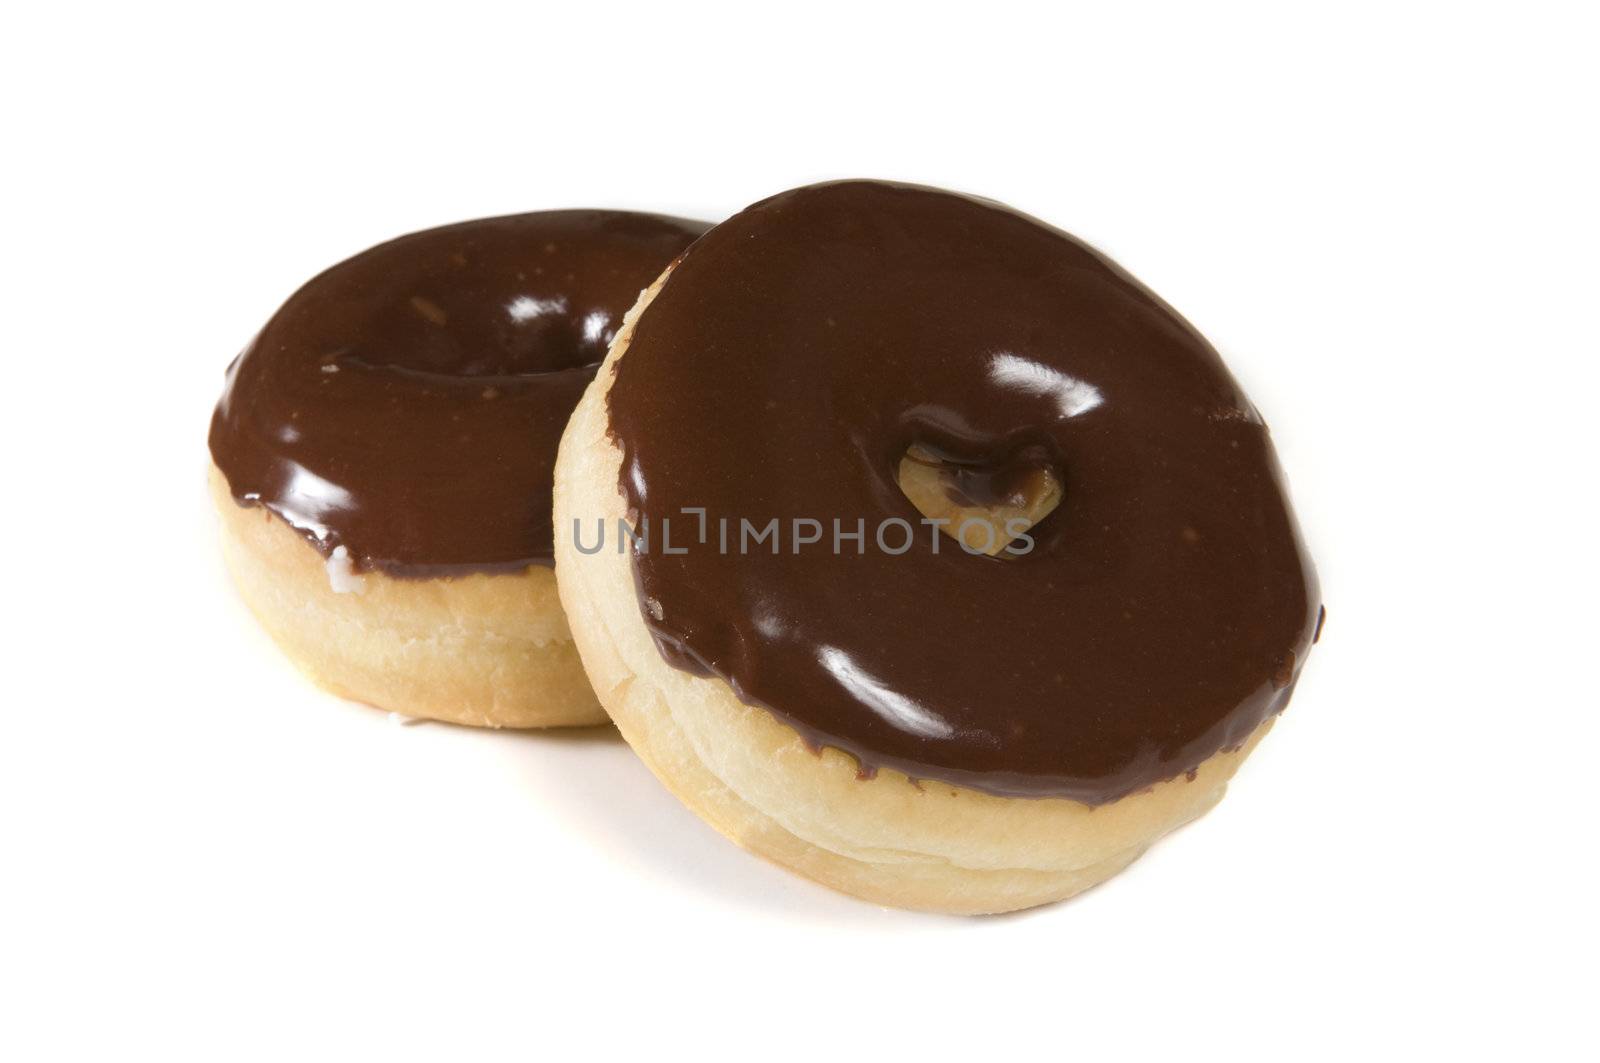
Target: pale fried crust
[[486, 650]]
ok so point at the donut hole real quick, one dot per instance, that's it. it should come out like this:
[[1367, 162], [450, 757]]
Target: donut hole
[[473, 335], [984, 506]]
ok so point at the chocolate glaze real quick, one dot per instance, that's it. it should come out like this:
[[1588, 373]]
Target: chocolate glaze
[[407, 403], [795, 354]]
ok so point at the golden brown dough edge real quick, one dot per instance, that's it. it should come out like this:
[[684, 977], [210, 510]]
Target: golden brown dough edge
[[887, 840], [484, 650]]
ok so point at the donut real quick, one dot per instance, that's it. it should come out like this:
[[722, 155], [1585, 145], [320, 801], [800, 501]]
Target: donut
[[854, 685], [382, 458]]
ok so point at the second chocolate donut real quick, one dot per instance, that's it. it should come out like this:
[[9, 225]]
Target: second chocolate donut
[[382, 459], [959, 568]]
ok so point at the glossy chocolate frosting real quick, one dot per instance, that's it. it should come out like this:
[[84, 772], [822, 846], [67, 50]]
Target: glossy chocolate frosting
[[406, 404], [796, 353]]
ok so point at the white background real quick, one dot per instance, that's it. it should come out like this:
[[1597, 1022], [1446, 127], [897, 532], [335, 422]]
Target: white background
[[1383, 215]]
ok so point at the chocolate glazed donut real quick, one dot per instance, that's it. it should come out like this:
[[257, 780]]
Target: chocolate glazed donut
[[401, 414], [407, 403], [785, 368]]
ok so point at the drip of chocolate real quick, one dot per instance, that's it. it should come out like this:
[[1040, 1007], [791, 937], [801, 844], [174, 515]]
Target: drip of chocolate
[[796, 354], [406, 404]]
